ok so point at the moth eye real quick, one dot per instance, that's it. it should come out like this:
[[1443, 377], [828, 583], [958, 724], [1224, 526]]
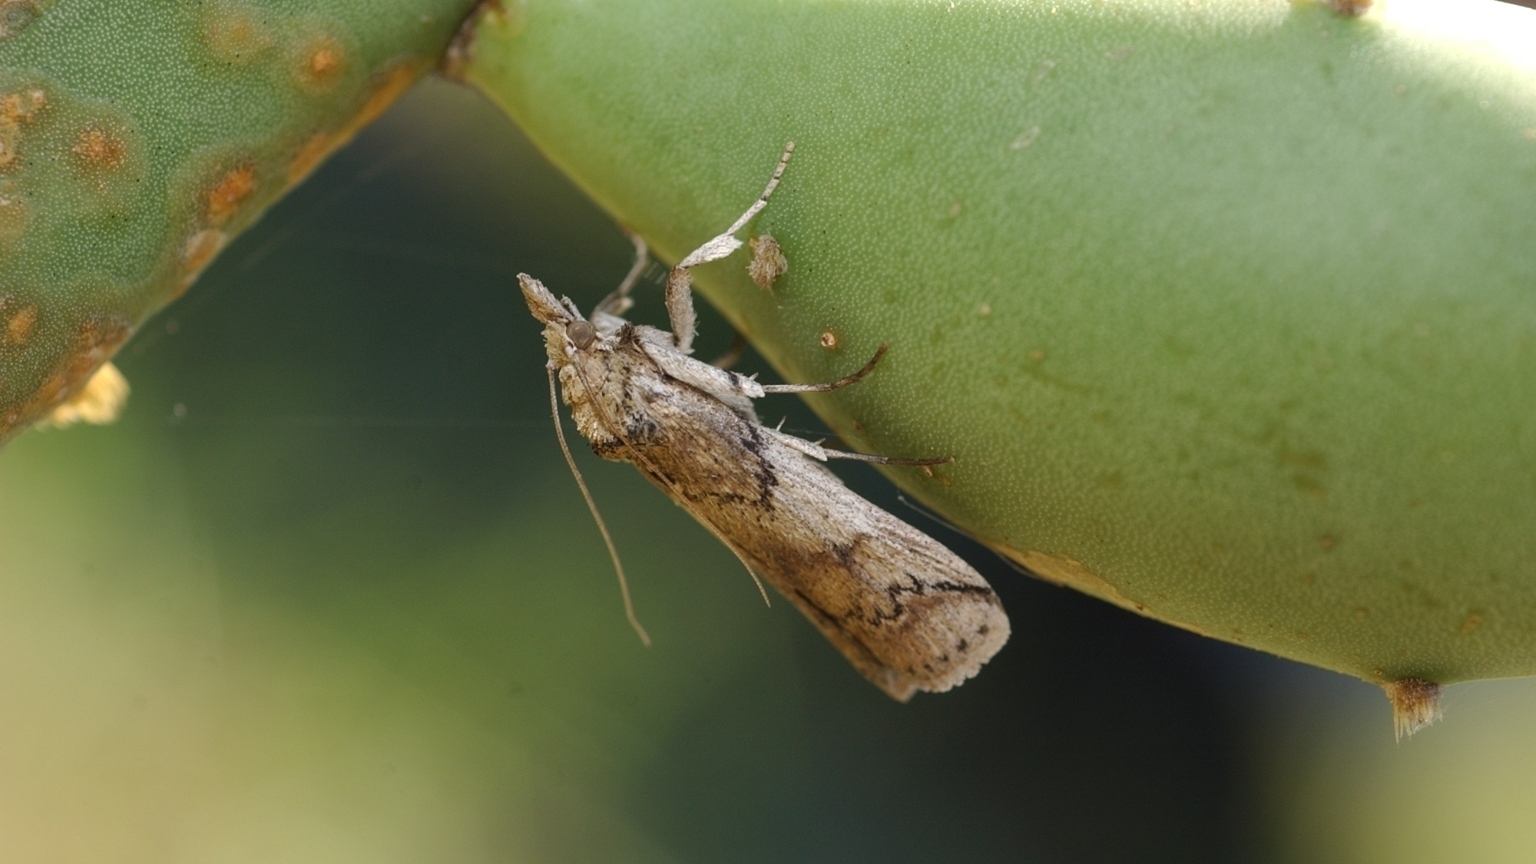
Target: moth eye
[[582, 333]]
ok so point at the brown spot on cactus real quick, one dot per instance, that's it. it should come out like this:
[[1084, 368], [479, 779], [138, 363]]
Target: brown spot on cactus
[[23, 106], [461, 49], [387, 87], [94, 342], [197, 252], [99, 150], [234, 34], [20, 322], [10, 143], [230, 192], [17, 109], [104, 150], [15, 15], [321, 63]]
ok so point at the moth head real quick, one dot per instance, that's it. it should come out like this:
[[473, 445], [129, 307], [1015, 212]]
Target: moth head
[[563, 325]]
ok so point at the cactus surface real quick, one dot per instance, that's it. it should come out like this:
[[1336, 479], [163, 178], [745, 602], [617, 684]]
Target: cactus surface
[[137, 138], [1223, 309]]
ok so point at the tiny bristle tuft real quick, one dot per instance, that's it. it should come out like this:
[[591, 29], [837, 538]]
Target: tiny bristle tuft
[[1415, 704], [98, 403], [768, 262]]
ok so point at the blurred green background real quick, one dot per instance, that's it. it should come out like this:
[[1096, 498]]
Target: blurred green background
[[327, 593]]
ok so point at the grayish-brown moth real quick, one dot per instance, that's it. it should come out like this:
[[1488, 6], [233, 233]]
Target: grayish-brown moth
[[907, 613]]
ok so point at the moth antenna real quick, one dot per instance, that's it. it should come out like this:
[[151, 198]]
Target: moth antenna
[[613, 552], [760, 589]]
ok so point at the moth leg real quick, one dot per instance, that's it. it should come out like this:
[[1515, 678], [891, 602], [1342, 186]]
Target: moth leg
[[617, 303], [822, 454], [831, 385], [800, 445], [733, 389], [888, 460], [680, 280]]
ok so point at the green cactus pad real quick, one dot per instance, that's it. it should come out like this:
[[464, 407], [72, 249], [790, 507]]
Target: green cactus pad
[[1225, 310], [137, 138]]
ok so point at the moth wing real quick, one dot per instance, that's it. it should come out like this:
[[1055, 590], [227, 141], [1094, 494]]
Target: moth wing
[[907, 613]]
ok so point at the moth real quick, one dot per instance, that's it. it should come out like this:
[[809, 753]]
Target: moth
[[907, 613]]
